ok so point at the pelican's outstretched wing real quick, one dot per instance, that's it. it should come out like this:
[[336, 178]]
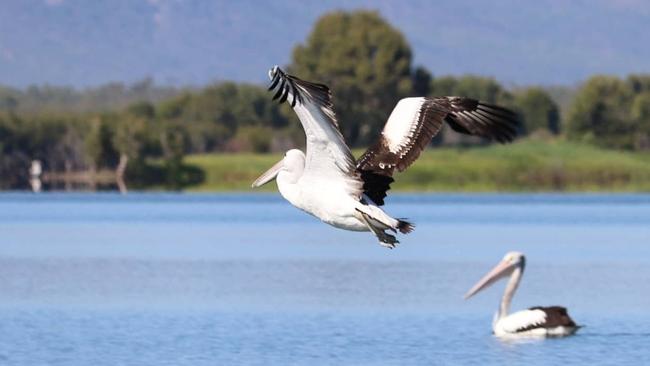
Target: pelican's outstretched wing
[[327, 156], [413, 123]]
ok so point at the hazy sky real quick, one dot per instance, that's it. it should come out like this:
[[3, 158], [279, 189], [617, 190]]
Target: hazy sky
[[81, 42]]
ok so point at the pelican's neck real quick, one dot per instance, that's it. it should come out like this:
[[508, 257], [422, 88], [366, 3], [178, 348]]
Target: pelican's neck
[[511, 287], [289, 187]]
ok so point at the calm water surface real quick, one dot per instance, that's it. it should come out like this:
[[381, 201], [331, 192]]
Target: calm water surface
[[174, 279]]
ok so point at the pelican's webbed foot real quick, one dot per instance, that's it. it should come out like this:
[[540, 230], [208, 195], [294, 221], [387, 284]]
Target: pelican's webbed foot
[[387, 240]]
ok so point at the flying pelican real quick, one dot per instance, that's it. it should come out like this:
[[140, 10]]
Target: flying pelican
[[328, 183], [552, 321]]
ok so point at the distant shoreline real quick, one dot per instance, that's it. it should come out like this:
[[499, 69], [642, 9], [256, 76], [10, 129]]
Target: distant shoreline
[[528, 166]]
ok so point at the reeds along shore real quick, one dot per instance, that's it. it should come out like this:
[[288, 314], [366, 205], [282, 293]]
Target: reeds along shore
[[527, 165]]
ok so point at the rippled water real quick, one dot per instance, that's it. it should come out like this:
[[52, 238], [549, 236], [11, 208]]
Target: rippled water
[[170, 279]]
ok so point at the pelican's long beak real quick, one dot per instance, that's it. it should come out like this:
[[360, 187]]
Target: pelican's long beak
[[501, 270], [268, 175]]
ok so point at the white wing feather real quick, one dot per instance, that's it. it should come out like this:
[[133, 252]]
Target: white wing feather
[[402, 123], [520, 320], [328, 157]]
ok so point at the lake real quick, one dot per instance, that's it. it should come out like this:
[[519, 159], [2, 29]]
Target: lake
[[225, 279]]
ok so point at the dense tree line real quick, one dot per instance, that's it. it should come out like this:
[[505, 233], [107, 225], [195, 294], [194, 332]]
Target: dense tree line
[[612, 112], [366, 62], [62, 99]]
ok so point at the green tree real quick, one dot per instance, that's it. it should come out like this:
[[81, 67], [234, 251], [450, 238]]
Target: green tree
[[472, 86], [99, 145], [421, 81], [174, 108], [174, 142], [131, 137], [142, 110], [641, 117], [600, 113], [640, 111], [640, 83], [14, 160], [213, 116], [365, 61], [8, 102], [249, 138], [538, 110]]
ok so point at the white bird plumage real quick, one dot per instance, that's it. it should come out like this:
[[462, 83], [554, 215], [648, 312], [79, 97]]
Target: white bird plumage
[[396, 132], [552, 321], [328, 183]]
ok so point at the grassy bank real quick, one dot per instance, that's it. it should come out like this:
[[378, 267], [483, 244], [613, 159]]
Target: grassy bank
[[523, 166]]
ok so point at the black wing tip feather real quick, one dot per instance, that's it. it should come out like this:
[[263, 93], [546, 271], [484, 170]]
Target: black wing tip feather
[[285, 85], [301, 89], [474, 117], [463, 103]]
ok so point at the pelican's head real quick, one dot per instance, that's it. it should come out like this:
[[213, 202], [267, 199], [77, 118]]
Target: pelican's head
[[291, 165], [508, 264]]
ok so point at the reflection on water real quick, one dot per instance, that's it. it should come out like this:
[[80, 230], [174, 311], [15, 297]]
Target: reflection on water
[[235, 279]]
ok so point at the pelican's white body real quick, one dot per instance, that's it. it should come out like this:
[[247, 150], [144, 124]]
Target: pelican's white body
[[507, 326], [325, 200]]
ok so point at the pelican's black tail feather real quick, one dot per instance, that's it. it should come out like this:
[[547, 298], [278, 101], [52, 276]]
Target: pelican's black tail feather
[[404, 226]]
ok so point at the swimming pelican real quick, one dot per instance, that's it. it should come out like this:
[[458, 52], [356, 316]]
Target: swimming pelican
[[552, 321], [328, 183]]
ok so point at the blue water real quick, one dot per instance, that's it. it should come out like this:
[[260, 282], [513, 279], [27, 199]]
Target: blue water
[[173, 279]]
